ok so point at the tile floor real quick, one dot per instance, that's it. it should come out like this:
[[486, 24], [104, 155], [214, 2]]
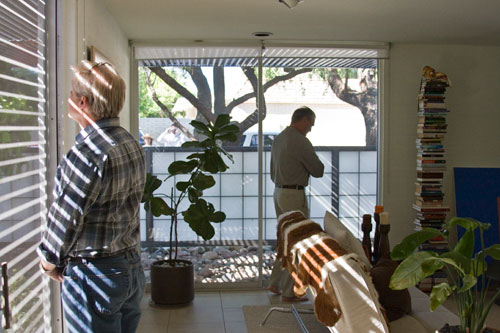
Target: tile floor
[[211, 311], [221, 312]]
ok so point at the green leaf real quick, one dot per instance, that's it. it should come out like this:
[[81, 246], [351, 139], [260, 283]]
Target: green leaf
[[202, 181], [231, 137], [229, 156], [439, 294], [195, 156], [210, 161], [207, 143], [201, 127], [411, 242], [191, 144], [440, 262], [465, 245], [468, 281], [432, 265], [410, 271], [460, 260], [159, 207], [478, 266], [467, 223], [152, 183], [229, 129], [182, 167], [182, 186], [194, 194], [218, 217], [222, 120], [198, 216], [492, 251]]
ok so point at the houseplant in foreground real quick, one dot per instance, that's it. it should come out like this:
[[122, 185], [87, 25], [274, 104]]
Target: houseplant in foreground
[[172, 280], [464, 268]]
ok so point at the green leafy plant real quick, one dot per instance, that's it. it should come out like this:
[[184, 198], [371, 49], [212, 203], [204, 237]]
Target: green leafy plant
[[463, 265], [198, 166]]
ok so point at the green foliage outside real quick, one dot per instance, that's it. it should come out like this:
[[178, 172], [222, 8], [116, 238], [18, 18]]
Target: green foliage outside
[[147, 106], [352, 73], [33, 307], [10, 119], [464, 268]]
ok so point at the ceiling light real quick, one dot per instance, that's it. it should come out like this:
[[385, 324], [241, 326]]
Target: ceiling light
[[290, 3], [262, 34]]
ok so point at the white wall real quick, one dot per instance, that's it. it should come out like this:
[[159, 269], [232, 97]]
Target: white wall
[[473, 138], [102, 31], [86, 23]]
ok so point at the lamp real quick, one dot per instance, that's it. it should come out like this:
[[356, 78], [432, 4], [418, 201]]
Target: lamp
[[290, 3]]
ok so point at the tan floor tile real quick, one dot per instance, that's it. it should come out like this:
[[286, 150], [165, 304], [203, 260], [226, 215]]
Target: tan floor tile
[[203, 309], [151, 328], [233, 315], [205, 293], [155, 317], [196, 328], [236, 327], [197, 314], [237, 299]]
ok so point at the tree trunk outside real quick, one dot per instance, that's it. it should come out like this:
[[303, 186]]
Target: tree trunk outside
[[365, 101]]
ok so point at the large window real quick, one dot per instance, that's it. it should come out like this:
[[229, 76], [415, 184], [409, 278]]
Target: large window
[[23, 159], [186, 83]]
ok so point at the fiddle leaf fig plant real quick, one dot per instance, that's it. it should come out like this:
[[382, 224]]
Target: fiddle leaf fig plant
[[464, 268], [199, 167]]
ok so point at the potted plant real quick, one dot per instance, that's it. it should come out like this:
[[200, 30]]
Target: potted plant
[[464, 268], [172, 280]]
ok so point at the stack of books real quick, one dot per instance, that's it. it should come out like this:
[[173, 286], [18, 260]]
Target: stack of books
[[431, 162]]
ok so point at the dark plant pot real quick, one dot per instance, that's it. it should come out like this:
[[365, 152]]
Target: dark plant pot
[[172, 284]]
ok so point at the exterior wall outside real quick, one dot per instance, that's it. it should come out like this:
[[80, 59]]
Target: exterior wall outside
[[156, 126], [472, 139]]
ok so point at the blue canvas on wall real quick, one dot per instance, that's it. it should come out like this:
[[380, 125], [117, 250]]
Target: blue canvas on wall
[[477, 193]]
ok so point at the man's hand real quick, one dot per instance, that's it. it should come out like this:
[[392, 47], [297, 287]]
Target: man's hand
[[51, 270]]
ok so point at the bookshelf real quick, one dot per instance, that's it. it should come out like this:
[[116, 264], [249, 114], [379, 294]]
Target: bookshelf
[[431, 163]]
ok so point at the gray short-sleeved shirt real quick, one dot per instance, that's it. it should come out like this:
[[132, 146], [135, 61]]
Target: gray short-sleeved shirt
[[293, 159]]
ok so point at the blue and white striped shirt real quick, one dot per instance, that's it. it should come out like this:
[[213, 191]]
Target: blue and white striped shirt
[[97, 195]]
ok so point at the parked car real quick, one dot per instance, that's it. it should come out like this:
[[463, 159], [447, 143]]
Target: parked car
[[251, 139]]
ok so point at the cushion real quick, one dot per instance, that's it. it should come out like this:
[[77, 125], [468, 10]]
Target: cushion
[[361, 310], [397, 303], [344, 237]]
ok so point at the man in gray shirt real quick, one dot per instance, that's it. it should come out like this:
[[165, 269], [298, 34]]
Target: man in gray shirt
[[292, 161]]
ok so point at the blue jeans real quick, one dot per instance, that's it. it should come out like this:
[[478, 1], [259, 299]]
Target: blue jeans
[[103, 295]]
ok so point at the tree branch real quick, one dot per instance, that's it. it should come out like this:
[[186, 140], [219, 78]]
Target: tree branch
[[219, 90], [252, 118], [160, 72], [266, 86], [204, 93], [166, 111]]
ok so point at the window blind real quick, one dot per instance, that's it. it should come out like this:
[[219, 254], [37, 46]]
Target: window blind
[[23, 158], [346, 55]]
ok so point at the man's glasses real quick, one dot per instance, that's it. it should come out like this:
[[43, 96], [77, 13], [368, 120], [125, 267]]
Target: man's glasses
[[99, 64]]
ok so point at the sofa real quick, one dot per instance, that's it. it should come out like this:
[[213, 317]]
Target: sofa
[[340, 286]]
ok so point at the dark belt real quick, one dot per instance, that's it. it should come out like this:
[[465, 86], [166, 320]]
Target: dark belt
[[295, 187], [100, 257]]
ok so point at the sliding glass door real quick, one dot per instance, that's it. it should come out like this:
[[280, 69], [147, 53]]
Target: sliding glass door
[[177, 84]]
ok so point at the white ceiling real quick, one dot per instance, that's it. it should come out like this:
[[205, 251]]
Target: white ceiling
[[405, 21]]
